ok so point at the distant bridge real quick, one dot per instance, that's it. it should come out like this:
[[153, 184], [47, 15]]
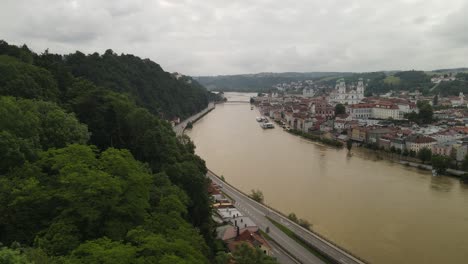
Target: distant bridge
[[246, 102]]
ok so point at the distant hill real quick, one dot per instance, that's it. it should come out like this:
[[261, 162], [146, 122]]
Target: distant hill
[[259, 82], [377, 82], [455, 70]]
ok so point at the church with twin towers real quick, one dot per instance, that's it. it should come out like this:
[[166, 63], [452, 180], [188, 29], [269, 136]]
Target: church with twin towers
[[351, 94]]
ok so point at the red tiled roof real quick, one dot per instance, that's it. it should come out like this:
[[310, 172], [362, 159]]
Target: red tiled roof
[[421, 139], [362, 105]]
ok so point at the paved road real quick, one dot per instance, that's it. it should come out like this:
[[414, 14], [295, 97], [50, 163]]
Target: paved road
[[258, 213], [281, 256], [179, 129]]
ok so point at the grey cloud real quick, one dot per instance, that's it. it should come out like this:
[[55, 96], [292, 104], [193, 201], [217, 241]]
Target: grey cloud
[[228, 37], [454, 28]]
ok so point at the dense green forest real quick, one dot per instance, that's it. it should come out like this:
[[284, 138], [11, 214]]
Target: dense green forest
[[89, 172], [142, 79]]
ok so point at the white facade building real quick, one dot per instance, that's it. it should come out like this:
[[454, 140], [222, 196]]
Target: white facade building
[[347, 95], [308, 92], [386, 111]]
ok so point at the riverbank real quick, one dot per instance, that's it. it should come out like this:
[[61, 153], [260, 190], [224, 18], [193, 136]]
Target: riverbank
[[327, 141], [408, 161], [180, 128]]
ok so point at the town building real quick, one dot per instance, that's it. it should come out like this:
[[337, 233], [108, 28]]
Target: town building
[[385, 111], [347, 94], [417, 142], [253, 240], [361, 111]]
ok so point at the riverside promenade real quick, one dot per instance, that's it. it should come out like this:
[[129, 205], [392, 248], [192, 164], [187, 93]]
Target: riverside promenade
[[179, 128]]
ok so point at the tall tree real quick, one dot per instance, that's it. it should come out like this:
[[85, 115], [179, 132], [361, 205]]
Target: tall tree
[[340, 109], [425, 154]]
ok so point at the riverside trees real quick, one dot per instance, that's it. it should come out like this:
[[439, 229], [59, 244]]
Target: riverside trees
[[135, 194]]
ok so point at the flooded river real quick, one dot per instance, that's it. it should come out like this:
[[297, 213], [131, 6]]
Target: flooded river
[[379, 210]]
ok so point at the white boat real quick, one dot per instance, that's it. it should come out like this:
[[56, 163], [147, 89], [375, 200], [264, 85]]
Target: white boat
[[267, 125], [259, 119]]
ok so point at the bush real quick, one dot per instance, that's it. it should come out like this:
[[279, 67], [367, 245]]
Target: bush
[[293, 217], [464, 178], [257, 195], [327, 141]]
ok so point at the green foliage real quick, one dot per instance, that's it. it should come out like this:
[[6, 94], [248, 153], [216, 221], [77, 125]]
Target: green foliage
[[144, 80], [257, 195], [331, 142], [95, 195], [257, 82], [392, 80], [340, 109], [464, 178], [13, 151], [27, 126], [22, 53], [380, 82], [424, 155], [222, 258], [425, 115], [73, 203], [302, 222], [349, 144], [245, 254], [104, 251], [293, 217], [464, 164], [435, 100], [25, 80], [12, 256], [452, 88], [440, 163]]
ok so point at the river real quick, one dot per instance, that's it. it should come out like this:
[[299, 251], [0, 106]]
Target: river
[[381, 211]]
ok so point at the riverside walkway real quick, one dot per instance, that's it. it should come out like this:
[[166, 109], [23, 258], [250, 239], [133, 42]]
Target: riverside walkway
[[179, 128]]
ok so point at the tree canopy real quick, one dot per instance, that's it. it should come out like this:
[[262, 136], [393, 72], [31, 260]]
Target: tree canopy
[[89, 172]]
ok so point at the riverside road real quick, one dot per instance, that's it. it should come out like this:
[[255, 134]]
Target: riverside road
[[258, 213]]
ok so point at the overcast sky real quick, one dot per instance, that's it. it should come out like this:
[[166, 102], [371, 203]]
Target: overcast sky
[[210, 37]]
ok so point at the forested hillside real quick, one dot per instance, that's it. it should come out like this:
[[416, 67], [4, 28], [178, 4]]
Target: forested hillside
[[261, 82], [382, 82], [453, 87], [89, 173]]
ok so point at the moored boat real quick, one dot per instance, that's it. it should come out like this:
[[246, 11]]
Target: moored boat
[[267, 125]]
